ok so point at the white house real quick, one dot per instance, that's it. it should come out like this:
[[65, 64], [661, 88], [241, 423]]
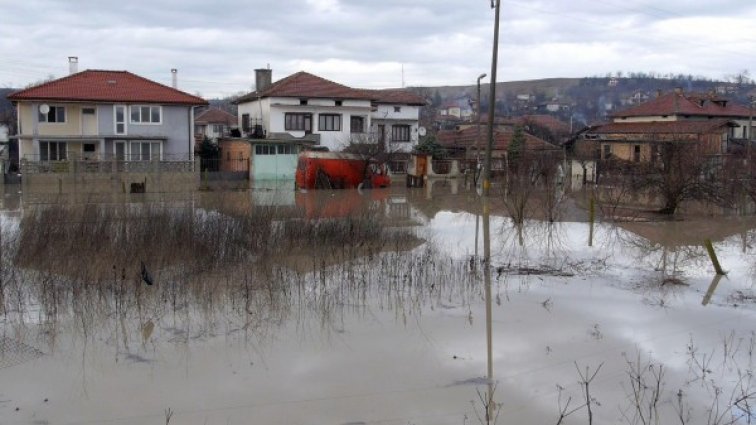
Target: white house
[[395, 118], [303, 104]]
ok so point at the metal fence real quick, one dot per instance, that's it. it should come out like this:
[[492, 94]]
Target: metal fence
[[98, 166], [398, 166]]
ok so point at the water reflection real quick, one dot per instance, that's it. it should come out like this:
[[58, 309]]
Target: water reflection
[[339, 307]]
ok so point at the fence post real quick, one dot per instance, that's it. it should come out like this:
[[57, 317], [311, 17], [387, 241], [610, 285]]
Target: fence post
[[713, 256]]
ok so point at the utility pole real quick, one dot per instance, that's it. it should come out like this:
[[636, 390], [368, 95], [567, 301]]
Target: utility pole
[[750, 128], [495, 4]]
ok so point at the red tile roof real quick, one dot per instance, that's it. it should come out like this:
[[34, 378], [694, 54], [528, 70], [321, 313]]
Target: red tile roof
[[306, 85], [215, 116], [682, 104], [466, 138], [398, 96], [106, 86], [663, 127]]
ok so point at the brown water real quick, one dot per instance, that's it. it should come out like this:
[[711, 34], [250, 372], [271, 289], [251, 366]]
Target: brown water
[[349, 308]]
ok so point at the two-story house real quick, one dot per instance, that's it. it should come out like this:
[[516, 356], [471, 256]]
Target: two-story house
[[395, 119], [304, 104], [96, 114], [707, 120]]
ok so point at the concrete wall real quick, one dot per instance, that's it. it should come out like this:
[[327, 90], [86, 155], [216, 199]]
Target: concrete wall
[[110, 183]]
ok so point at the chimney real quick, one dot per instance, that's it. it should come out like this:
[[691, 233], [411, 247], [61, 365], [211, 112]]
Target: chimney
[[678, 90], [658, 93], [174, 78], [263, 79], [73, 64]]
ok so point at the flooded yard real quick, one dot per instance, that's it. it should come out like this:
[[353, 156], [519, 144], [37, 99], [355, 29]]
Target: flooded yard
[[367, 308]]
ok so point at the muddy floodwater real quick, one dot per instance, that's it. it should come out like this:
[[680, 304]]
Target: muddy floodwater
[[375, 307]]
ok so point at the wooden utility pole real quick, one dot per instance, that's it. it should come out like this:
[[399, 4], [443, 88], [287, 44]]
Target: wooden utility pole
[[496, 4], [750, 130]]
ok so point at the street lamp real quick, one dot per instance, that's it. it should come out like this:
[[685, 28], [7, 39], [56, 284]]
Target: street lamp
[[477, 124]]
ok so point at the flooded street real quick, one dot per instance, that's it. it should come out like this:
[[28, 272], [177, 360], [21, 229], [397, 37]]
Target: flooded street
[[276, 307]]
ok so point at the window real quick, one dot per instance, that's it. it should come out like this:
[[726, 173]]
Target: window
[[287, 150], [56, 114], [218, 129], [400, 133], [329, 122], [88, 111], [357, 124], [52, 151], [265, 150], [245, 122], [88, 148], [144, 151], [397, 109], [146, 114], [339, 102], [637, 153], [120, 119], [607, 151], [298, 122], [303, 102]]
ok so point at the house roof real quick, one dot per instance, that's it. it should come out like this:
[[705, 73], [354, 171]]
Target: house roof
[[215, 116], [398, 96], [675, 103], [467, 137], [662, 127], [306, 85], [106, 86]]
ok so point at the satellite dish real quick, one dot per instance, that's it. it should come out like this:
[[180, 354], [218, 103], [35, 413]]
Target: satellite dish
[[44, 108], [421, 131]]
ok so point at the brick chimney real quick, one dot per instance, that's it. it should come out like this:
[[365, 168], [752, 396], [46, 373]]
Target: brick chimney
[[263, 79]]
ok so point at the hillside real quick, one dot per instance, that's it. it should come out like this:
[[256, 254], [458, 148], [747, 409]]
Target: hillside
[[583, 100]]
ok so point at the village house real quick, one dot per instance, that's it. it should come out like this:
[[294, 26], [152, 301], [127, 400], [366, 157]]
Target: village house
[[213, 123], [711, 122], [303, 104], [98, 115], [469, 144], [305, 111]]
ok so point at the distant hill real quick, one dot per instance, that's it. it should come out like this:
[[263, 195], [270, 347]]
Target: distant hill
[[582, 100]]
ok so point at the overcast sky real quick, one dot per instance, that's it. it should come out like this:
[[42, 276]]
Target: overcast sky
[[217, 44]]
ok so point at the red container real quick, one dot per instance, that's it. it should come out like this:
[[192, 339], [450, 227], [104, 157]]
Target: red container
[[336, 170]]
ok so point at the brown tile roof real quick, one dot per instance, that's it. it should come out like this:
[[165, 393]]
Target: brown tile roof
[[466, 138], [682, 104], [215, 116], [398, 96], [662, 127], [106, 86], [306, 85]]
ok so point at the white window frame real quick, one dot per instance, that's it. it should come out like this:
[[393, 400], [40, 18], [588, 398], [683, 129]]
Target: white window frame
[[40, 115], [127, 149], [125, 120], [139, 108]]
